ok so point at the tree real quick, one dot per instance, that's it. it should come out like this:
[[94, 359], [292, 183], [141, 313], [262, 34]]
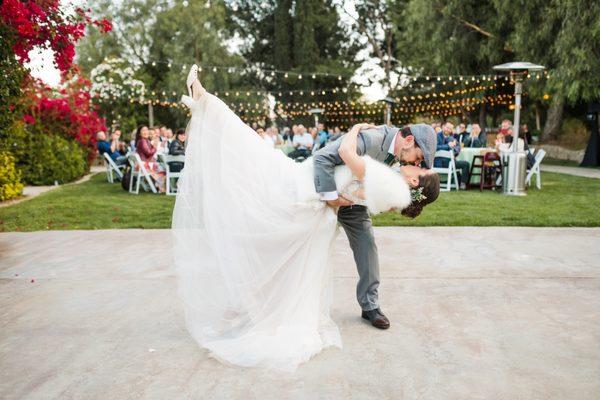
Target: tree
[[469, 37], [118, 93], [460, 37], [301, 36], [373, 21], [163, 47], [563, 36]]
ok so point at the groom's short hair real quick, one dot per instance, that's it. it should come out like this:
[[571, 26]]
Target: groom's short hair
[[404, 132]]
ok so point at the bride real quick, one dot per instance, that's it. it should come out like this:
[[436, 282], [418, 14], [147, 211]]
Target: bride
[[252, 239]]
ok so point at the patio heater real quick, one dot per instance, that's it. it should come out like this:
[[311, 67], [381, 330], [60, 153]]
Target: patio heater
[[389, 102], [515, 161], [316, 112]]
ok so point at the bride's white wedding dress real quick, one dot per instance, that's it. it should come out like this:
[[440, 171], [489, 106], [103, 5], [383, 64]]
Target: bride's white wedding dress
[[252, 242]]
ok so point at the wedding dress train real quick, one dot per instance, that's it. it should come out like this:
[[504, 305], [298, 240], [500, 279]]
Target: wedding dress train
[[252, 242]]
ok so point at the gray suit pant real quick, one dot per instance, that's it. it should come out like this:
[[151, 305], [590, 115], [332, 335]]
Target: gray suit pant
[[357, 223]]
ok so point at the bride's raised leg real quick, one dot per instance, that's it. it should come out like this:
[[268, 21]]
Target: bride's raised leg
[[195, 88]]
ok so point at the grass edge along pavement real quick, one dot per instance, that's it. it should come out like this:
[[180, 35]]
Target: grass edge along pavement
[[564, 201]]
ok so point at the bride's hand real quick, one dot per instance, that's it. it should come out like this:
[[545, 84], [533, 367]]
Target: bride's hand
[[364, 126]]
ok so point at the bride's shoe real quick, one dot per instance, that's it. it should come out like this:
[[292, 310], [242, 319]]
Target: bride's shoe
[[194, 86]]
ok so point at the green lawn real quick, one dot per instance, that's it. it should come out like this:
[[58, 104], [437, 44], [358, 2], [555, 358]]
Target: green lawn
[[564, 201], [563, 163]]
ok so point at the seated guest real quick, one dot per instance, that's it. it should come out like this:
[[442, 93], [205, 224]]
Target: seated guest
[[446, 141], [111, 148], [163, 133], [462, 133], [177, 148], [303, 143], [473, 140], [132, 136], [337, 133], [500, 142], [275, 136], [505, 127], [158, 143], [522, 144], [147, 152], [116, 135], [526, 134], [322, 135], [266, 136], [169, 136], [288, 135]]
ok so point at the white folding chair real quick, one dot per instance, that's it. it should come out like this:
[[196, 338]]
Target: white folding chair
[[112, 168], [449, 171], [165, 160], [139, 172], [539, 156]]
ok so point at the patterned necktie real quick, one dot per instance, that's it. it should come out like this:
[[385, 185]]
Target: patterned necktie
[[389, 159]]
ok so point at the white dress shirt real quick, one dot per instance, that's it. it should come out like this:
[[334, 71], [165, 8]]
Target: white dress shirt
[[303, 141]]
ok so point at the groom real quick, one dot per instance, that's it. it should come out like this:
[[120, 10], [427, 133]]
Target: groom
[[413, 144]]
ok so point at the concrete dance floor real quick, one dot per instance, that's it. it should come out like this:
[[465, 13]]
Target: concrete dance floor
[[477, 313]]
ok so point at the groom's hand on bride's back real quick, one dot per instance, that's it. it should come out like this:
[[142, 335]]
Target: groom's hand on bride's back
[[339, 202]]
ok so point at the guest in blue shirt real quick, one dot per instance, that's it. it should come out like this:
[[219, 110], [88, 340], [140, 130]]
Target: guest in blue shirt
[[322, 135], [446, 141], [111, 148]]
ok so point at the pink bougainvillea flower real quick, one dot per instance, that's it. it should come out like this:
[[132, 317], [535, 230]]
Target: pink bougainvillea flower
[[28, 119], [42, 23]]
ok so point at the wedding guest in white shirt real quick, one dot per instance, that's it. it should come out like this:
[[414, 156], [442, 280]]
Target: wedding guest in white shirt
[[303, 143]]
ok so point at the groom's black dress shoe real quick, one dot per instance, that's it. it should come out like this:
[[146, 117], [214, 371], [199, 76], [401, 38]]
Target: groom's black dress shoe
[[377, 318]]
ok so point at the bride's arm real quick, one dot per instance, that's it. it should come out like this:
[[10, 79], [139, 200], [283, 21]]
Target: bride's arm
[[348, 152]]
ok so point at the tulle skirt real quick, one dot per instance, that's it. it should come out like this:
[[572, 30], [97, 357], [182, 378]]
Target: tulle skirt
[[251, 246]]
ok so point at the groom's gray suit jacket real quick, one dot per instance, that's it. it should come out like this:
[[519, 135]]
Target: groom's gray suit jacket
[[355, 219], [373, 142]]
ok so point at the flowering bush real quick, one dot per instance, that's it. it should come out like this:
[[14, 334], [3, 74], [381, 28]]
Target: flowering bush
[[114, 79], [10, 91], [49, 133], [67, 112], [117, 92], [10, 184], [42, 23]]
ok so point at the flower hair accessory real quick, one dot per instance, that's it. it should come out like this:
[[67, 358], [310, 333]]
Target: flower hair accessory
[[417, 194]]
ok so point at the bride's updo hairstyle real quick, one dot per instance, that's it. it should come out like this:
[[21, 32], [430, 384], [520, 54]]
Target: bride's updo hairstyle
[[427, 192]]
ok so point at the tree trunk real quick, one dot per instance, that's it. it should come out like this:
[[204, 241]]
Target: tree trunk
[[482, 116], [482, 123], [538, 116], [554, 119]]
